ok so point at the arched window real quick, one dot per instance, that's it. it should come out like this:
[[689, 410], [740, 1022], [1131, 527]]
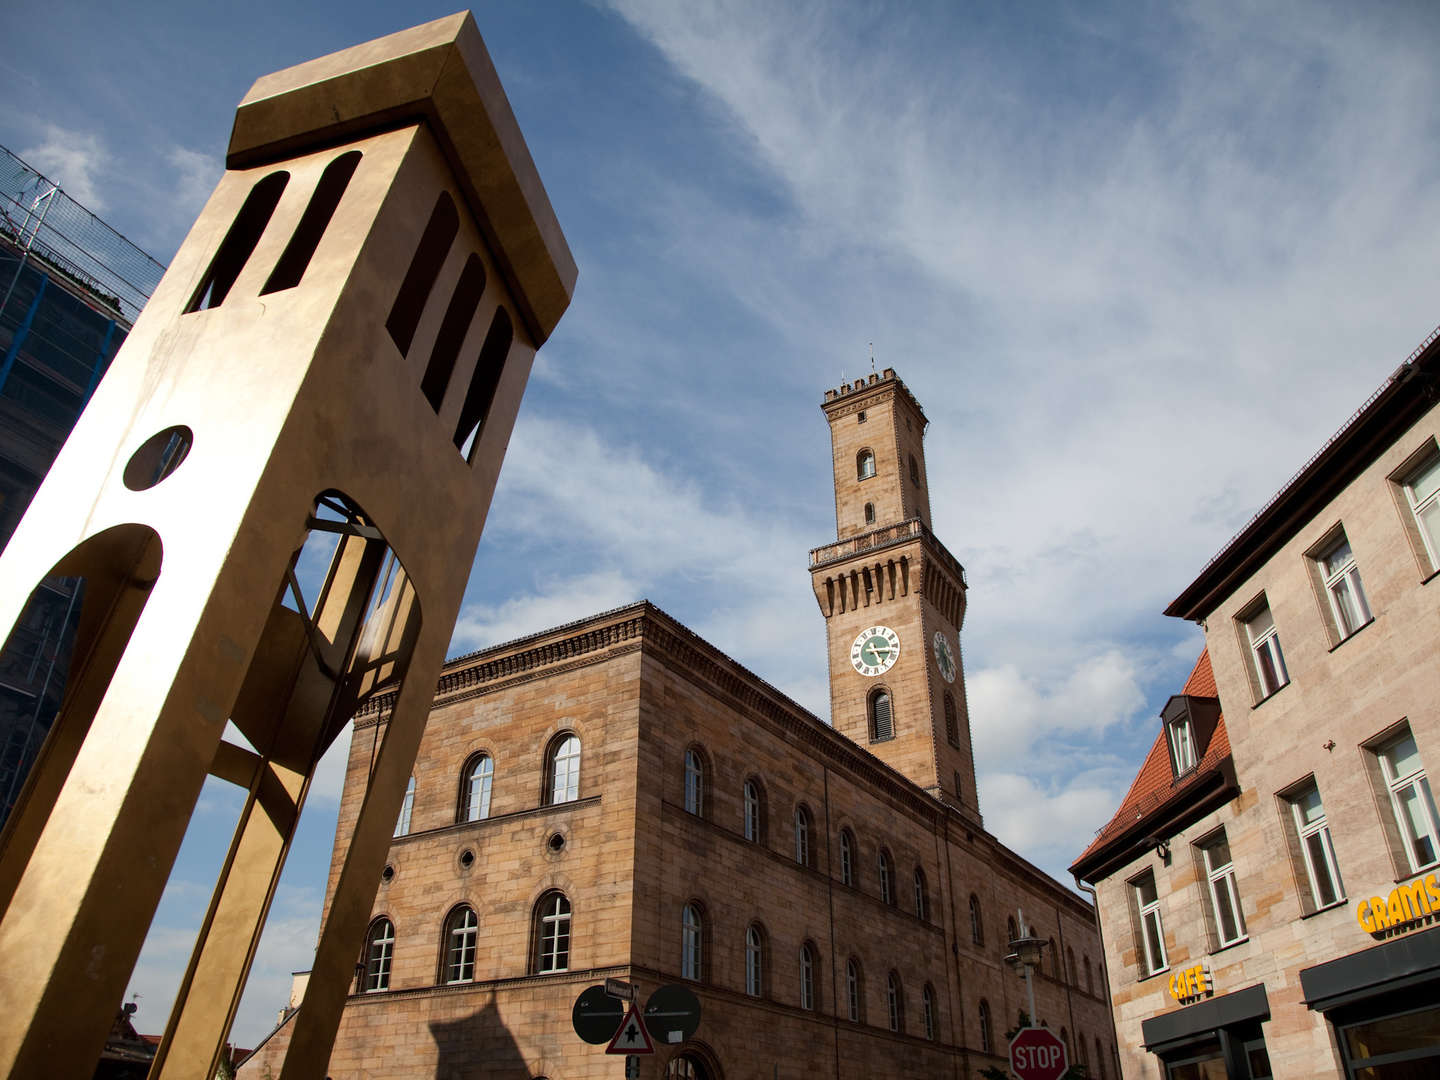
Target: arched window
[[694, 782], [869, 513], [802, 835], [895, 1002], [475, 802], [1010, 933], [922, 895], [754, 811], [854, 990], [977, 927], [914, 470], [864, 465], [927, 1001], [552, 933], [1070, 972], [847, 858], [379, 948], [402, 823], [562, 769], [1089, 978], [952, 728], [887, 876], [986, 1045], [692, 936], [882, 723], [460, 931], [808, 981], [686, 1067], [754, 960], [235, 250]]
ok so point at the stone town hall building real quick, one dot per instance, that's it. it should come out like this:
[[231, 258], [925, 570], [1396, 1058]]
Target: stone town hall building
[[618, 798]]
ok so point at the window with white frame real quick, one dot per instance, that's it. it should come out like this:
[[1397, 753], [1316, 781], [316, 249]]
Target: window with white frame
[[691, 929], [754, 960], [1422, 492], [853, 996], [807, 976], [379, 948], [887, 876], [1182, 744], [1411, 799], [402, 823], [753, 811], [553, 933], [1343, 587], [479, 776], [1265, 650], [922, 895], [460, 932], [895, 1002], [1322, 872], [694, 782], [927, 1002], [1152, 932], [802, 835], [864, 465], [977, 927], [847, 858], [563, 768], [1224, 893], [986, 1041]]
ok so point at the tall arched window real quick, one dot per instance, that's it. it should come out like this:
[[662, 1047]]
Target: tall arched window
[[754, 811], [914, 470], [460, 931], [1070, 972], [986, 1045], [692, 931], [802, 835], [479, 773], [808, 981], [379, 948], [854, 990], [869, 513], [895, 1002], [694, 782], [1089, 977], [952, 726], [864, 465], [847, 858], [977, 927], [887, 876], [927, 1001], [922, 895], [754, 960], [562, 769], [882, 722], [552, 933], [402, 823]]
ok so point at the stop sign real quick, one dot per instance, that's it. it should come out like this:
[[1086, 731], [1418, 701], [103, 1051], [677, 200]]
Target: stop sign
[[1036, 1054]]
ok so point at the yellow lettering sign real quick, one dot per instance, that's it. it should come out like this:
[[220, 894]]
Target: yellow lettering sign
[[1406, 904], [1191, 983]]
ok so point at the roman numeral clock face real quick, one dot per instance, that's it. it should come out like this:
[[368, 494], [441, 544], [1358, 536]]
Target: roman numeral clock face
[[875, 650]]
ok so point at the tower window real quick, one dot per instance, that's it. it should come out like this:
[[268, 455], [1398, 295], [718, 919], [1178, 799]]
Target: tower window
[[864, 465], [860, 417], [869, 513], [914, 471], [239, 243], [882, 723], [952, 727]]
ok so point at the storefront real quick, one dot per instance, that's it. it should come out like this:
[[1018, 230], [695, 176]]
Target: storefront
[[1217, 1038], [1384, 1006]]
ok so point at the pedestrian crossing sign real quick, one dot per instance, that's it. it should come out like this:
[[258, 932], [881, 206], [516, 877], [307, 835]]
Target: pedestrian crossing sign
[[631, 1038]]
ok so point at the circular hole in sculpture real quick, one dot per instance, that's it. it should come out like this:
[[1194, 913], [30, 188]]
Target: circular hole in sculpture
[[387, 873], [556, 842], [158, 457], [467, 858]]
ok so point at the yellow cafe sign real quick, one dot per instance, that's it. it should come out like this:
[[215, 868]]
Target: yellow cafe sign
[[1406, 904], [1192, 984]]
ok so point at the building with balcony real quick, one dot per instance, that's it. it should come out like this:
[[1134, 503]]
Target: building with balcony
[[617, 798], [1269, 888]]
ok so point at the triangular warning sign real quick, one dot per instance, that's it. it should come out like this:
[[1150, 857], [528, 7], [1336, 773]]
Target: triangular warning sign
[[632, 1038]]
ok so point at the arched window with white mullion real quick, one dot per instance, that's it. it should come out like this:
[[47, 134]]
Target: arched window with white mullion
[[461, 929], [692, 936], [479, 776]]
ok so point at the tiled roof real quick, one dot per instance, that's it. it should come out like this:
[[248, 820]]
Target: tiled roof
[[1154, 786]]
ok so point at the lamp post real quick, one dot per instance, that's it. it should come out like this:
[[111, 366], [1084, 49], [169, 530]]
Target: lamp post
[[1025, 955]]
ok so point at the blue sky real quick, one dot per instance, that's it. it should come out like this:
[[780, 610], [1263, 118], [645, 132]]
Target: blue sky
[[1137, 261]]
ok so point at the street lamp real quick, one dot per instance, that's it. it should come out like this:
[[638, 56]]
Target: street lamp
[[1025, 955]]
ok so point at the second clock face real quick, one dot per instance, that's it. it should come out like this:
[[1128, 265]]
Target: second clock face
[[875, 650], [944, 657]]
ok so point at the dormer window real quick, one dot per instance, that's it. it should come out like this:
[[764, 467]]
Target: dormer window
[[1182, 745], [1189, 722]]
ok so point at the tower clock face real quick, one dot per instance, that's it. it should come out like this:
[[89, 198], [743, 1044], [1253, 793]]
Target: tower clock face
[[875, 650], [944, 657]]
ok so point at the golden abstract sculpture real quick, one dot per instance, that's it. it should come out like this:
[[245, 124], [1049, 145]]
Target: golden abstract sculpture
[[331, 367]]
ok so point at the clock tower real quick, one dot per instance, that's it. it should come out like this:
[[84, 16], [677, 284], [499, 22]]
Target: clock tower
[[893, 597]]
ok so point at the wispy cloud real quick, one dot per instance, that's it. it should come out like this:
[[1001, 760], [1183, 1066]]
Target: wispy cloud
[[77, 161]]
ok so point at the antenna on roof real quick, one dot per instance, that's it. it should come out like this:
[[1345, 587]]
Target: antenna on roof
[[872, 358]]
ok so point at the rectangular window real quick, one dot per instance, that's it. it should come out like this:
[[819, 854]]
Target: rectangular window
[[1343, 589], [1411, 800], [1264, 640], [1224, 894], [1151, 931], [1322, 872], [1182, 745], [1422, 494]]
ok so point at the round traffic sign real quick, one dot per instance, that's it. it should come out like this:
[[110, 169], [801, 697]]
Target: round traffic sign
[[672, 1014], [597, 1015], [1036, 1054]]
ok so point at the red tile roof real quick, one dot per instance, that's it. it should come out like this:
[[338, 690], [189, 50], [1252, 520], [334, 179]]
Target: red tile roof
[[1154, 786]]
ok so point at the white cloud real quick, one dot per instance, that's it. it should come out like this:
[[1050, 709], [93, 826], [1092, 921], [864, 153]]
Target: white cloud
[[193, 177], [553, 602], [1050, 822], [76, 160]]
